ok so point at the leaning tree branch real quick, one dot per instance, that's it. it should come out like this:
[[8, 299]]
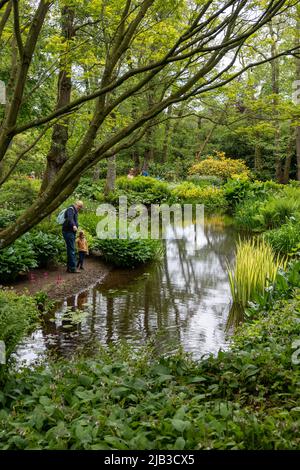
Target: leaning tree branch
[[25, 151], [22, 74], [240, 72], [69, 175], [3, 2], [4, 17], [17, 29], [167, 59]]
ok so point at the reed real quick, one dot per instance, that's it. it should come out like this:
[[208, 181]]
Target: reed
[[255, 268]]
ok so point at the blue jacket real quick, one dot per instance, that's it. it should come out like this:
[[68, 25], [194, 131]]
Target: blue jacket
[[71, 219]]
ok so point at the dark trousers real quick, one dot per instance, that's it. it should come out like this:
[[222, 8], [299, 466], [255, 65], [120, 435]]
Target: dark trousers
[[81, 255], [71, 254]]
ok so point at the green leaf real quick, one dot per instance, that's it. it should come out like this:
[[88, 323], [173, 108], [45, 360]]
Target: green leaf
[[179, 444], [85, 381], [180, 425]]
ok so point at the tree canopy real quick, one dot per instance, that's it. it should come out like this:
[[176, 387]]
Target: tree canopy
[[88, 79]]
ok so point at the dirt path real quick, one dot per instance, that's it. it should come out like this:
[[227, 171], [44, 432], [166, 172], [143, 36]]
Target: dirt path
[[59, 284]]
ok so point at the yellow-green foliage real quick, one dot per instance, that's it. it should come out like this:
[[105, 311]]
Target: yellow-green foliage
[[255, 268], [210, 196], [221, 166]]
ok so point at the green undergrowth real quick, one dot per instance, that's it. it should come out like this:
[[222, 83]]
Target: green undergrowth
[[245, 398]]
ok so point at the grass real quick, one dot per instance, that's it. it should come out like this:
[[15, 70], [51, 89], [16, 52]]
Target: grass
[[256, 267]]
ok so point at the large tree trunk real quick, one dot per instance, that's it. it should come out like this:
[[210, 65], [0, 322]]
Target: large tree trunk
[[149, 151], [96, 174], [111, 175], [149, 147], [165, 150], [275, 90], [298, 151], [288, 160], [8, 98], [57, 155], [136, 161], [257, 158], [206, 141]]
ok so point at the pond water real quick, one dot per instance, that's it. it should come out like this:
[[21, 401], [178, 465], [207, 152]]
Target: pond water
[[184, 299]]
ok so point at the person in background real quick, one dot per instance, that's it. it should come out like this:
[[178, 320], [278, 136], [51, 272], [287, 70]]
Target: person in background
[[69, 229], [83, 249], [131, 174], [145, 172]]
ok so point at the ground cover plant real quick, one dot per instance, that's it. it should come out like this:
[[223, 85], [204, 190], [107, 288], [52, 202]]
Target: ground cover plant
[[245, 398]]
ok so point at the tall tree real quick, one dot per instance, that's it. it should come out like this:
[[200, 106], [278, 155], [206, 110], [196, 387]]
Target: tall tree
[[57, 155], [191, 60]]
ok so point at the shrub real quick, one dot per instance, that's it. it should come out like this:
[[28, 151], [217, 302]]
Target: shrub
[[139, 183], [277, 211], [128, 252], [46, 246], [18, 193], [175, 170], [89, 189], [236, 191], [43, 302], [15, 259], [240, 176], [49, 226], [203, 181], [88, 222], [262, 206], [212, 198], [284, 239], [247, 216], [33, 249], [17, 314], [220, 166], [132, 197], [6, 217], [142, 189]]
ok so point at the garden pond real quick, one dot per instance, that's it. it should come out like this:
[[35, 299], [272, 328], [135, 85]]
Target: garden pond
[[183, 300]]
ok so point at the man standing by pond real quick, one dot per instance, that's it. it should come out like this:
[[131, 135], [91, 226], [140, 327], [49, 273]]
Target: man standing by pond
[[69, 229]]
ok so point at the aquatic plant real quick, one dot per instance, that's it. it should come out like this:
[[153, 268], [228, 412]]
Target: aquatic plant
[[256, 267]]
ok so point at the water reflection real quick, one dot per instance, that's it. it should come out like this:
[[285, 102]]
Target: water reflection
[[182, 300]]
